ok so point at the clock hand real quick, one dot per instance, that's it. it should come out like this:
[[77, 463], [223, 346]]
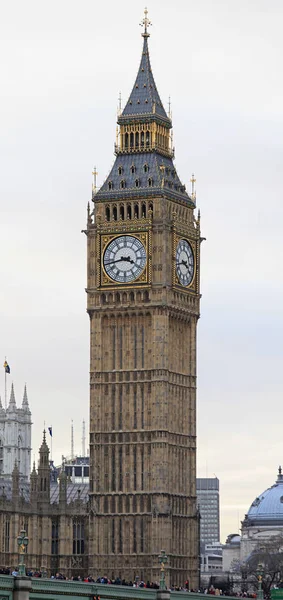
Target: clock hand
[[183, 262], [123, 258]]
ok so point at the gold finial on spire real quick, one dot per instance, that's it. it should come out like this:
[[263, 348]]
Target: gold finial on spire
[[193, 193], [145, 23], [169, 108], [94, 173], [119, 111]]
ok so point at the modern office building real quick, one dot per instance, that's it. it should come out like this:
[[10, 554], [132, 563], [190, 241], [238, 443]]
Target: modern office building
[[208, 504]]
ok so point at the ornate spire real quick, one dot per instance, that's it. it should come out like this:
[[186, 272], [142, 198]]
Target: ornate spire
[[12, 403], [144, 144], [145, 23], [280, 476], [25, 403], [144, 98]]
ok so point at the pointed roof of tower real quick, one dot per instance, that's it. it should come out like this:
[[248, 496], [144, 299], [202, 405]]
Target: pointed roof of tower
[[12, 403], [144, 98], [146, 170], [25, 404], [44, 448]]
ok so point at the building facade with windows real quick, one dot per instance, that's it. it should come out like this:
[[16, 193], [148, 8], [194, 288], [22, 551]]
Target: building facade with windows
[[208, 504], [15, 437], [143, 302], [54, 515], [143, 258]]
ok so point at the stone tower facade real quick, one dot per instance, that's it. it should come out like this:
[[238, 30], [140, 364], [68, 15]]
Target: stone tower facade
[[15, 437], [143, 244]]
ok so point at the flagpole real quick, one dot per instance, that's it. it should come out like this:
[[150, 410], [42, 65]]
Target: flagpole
[[5, 386], [51, 440]]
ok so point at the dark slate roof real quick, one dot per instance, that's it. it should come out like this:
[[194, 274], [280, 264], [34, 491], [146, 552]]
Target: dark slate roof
[[155, 163], [144, 98], [75, 491], [24, 491]]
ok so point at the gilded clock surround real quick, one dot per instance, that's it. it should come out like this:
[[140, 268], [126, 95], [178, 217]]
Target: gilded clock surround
[[192, 286], [142, 279]]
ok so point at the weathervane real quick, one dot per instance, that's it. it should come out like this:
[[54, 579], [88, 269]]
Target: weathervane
[[94, 173], [145, 23], [193, 193]]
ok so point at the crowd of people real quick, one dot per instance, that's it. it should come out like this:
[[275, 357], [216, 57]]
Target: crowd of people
[[135, 584]]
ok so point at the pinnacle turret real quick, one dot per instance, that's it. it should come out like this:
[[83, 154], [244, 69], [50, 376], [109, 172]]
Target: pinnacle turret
[[144, 98], [25, 404], [12, 403]]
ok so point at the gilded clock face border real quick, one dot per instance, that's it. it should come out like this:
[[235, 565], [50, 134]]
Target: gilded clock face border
[[144, 278], [175, 281]]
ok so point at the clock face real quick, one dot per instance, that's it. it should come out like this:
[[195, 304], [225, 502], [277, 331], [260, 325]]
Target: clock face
[[124, 258], [185, 263]]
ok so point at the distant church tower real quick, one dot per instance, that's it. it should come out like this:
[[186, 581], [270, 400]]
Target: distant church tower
[[15, 437], [143, 244]]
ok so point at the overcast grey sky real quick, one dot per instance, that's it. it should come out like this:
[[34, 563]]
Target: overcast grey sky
[[63, 64]]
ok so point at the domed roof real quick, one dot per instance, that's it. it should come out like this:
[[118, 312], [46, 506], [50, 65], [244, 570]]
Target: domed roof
[[268, 507]]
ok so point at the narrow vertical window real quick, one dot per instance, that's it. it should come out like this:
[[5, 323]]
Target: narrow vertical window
[[142, 535], [135, 537], [142, 407], [120, 407], [113, 407], [142, 468], [113, 347], [137, 140], [142, 347], [7, 536], [135, 468], [147, 138], [78, 536], [113, 536], [113, 470], [54, 537], [120, 537], [135, 347], [121, 346], [106, 469], [135, 408], [120, 469]]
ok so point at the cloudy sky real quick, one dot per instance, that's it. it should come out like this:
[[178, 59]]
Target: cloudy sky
[[63, 64]]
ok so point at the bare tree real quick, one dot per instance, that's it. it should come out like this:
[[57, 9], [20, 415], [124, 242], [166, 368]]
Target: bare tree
[[268, 553]]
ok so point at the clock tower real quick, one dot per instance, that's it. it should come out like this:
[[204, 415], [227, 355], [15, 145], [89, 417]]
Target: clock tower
[[143, 244]]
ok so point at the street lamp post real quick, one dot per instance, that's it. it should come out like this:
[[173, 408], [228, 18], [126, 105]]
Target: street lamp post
[[162, 560], [259, 573], [244, 572], [22, 540]]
